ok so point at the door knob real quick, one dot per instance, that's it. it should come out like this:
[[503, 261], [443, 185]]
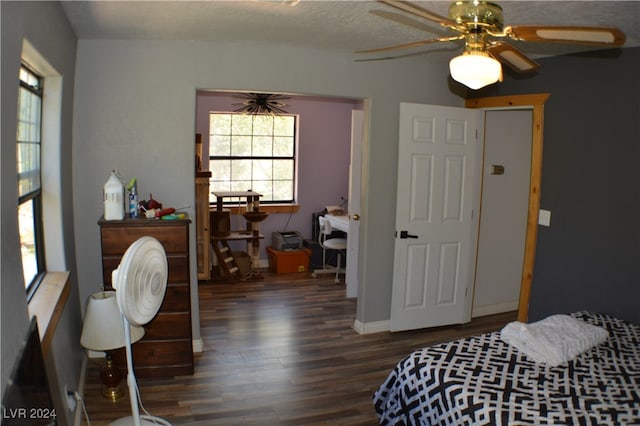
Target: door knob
[[405, 234], [355, 217]]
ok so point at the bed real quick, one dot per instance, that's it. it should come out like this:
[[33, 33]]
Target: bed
[[483, 380]]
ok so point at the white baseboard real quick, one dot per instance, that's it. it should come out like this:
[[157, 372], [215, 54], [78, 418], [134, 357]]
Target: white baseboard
[[478, 311], [496, 308], [371, 327], [197, 345]]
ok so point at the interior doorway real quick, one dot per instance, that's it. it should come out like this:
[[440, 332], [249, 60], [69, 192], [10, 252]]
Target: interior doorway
[[536, 103], [323, 167], [503, 212]]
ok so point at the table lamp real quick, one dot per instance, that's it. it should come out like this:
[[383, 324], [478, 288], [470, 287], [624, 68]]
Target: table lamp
[[102, 330]]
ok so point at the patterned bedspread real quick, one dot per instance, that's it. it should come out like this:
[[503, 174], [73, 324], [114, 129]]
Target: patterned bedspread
[[484, 381]]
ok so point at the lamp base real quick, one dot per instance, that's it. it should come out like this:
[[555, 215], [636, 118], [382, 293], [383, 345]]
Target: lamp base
[[111, 378], [113, 393], [144, 421]]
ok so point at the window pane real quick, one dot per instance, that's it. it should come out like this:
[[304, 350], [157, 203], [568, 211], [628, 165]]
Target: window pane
[[241, 170], [28, 165], [262, 169], [28, 142], [241, 146], [283, 125], [264, 187], [282, 169], [262, 146], [283, 190], [220, 145], [283, 147], [262, 124], [241, 124], [26, 225], [220, 170], [220, 124], [241, 185]]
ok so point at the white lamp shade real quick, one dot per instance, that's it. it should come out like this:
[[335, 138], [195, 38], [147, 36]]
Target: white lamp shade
[[103, 328], [475, 69]]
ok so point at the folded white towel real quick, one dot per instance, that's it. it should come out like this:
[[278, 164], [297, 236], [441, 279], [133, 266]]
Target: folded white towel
[[553, 340]]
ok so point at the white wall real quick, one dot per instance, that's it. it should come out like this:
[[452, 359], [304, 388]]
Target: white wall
[[135, 111]]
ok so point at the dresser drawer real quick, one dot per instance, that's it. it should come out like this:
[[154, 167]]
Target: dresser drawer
[[154, 353], [116, 240], [178, 268], [177, 298], [175, 325]]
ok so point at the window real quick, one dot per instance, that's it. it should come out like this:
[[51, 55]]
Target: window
[[253, 152], [28, 137]]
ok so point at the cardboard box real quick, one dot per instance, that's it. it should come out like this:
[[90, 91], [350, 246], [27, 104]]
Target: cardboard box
[[287, 262]]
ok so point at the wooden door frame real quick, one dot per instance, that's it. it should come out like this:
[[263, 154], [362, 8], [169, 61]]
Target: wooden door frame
[[536, 103]]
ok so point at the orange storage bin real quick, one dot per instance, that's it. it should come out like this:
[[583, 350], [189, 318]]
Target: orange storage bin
[[287, 262]]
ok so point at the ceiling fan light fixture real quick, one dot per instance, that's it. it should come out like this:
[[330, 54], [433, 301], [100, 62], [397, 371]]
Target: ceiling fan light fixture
[[261, 103], [475, 69]]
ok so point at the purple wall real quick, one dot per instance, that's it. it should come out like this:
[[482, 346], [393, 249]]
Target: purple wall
[[323, 155]]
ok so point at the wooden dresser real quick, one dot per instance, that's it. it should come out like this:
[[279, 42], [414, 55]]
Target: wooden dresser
[[166, 348]]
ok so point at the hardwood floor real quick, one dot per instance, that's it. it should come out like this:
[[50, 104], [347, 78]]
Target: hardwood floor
[[281, 351]]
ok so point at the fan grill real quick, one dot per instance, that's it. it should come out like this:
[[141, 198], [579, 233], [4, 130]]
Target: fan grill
[[141, 280]]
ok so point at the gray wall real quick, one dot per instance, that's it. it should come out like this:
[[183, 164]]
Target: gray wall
[[44, 25], [135, 110], [588, 258]]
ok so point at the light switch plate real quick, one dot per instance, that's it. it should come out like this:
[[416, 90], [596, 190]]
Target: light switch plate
[[544, 217]]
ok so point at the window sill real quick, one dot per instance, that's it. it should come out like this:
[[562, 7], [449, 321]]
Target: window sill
[[269, 208], [47, 305]]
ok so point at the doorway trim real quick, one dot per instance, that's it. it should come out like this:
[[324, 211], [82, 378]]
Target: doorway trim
[[536, 103]]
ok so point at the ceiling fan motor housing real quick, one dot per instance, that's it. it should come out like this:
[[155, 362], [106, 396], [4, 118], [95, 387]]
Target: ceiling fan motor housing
[[476, 14]]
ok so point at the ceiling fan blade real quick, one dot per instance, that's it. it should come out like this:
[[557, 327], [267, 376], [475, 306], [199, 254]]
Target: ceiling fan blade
[[416, 10], [397, 56], [405, 20], [594, 36], [512, 57], [412, 44]]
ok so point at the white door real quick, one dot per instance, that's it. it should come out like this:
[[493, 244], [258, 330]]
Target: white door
[[432, 276], [353, 236]]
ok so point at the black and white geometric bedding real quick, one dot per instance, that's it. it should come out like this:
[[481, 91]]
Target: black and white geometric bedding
[[482, 380]]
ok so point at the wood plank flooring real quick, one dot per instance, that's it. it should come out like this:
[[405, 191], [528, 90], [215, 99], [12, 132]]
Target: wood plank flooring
[[280, 351]]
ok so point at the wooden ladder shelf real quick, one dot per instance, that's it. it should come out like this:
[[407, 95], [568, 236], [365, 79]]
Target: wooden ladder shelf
[[226, 260]]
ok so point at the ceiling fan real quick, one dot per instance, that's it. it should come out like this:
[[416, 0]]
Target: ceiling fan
[[480, 24]]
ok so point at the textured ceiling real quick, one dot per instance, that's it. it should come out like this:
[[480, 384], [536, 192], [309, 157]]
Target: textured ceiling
[[343, 26]]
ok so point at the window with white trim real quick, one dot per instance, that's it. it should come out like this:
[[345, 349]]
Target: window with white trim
[[28, 151], [253, 152]]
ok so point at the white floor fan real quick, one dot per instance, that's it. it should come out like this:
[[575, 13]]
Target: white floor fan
[[140, 282]]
